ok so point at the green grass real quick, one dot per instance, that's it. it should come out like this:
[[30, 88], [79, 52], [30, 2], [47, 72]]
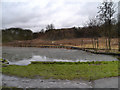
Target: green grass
[[6, 88], [64, 70]]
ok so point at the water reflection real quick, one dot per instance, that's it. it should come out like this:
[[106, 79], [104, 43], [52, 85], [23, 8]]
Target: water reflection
[[45, 59]]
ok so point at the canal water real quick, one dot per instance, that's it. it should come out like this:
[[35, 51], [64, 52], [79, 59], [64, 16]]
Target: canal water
[[24, 55]]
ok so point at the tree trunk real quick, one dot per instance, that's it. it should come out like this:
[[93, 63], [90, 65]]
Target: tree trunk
[[119, 44], [82, 43], [109, 42], [109, 36], [106, 43], [93, 43], [97, 43]]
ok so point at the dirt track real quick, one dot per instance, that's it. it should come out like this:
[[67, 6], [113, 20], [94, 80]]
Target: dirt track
[[12, 81]]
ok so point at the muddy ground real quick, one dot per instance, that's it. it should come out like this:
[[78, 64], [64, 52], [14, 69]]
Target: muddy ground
[[12, 81]]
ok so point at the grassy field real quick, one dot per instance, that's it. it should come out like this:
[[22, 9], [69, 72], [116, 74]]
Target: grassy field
[[64, 70]]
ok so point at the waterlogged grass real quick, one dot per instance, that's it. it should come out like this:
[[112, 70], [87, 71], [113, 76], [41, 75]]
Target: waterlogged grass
[[65, 70], [10, 88]]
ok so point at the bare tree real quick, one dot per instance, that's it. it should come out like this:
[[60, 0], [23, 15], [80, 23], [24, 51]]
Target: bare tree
[[106, 13], [118, 25], [93, 24], [50, 27], [42, 31]]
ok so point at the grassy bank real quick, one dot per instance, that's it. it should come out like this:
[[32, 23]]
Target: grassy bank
[[59, 70], [10, 88]]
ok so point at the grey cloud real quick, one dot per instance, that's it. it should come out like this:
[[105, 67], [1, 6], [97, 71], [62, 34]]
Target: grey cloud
[[36, 15]]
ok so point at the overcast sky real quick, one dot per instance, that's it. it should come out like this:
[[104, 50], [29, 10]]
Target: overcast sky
[[36, 14]]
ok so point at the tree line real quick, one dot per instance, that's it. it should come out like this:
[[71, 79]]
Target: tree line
[[12, 34], [103, 25]]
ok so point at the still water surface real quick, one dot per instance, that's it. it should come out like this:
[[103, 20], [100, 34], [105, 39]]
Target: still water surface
[[23, 56]]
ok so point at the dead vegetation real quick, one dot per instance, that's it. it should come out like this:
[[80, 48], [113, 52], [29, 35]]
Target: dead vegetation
[[79, 42]]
